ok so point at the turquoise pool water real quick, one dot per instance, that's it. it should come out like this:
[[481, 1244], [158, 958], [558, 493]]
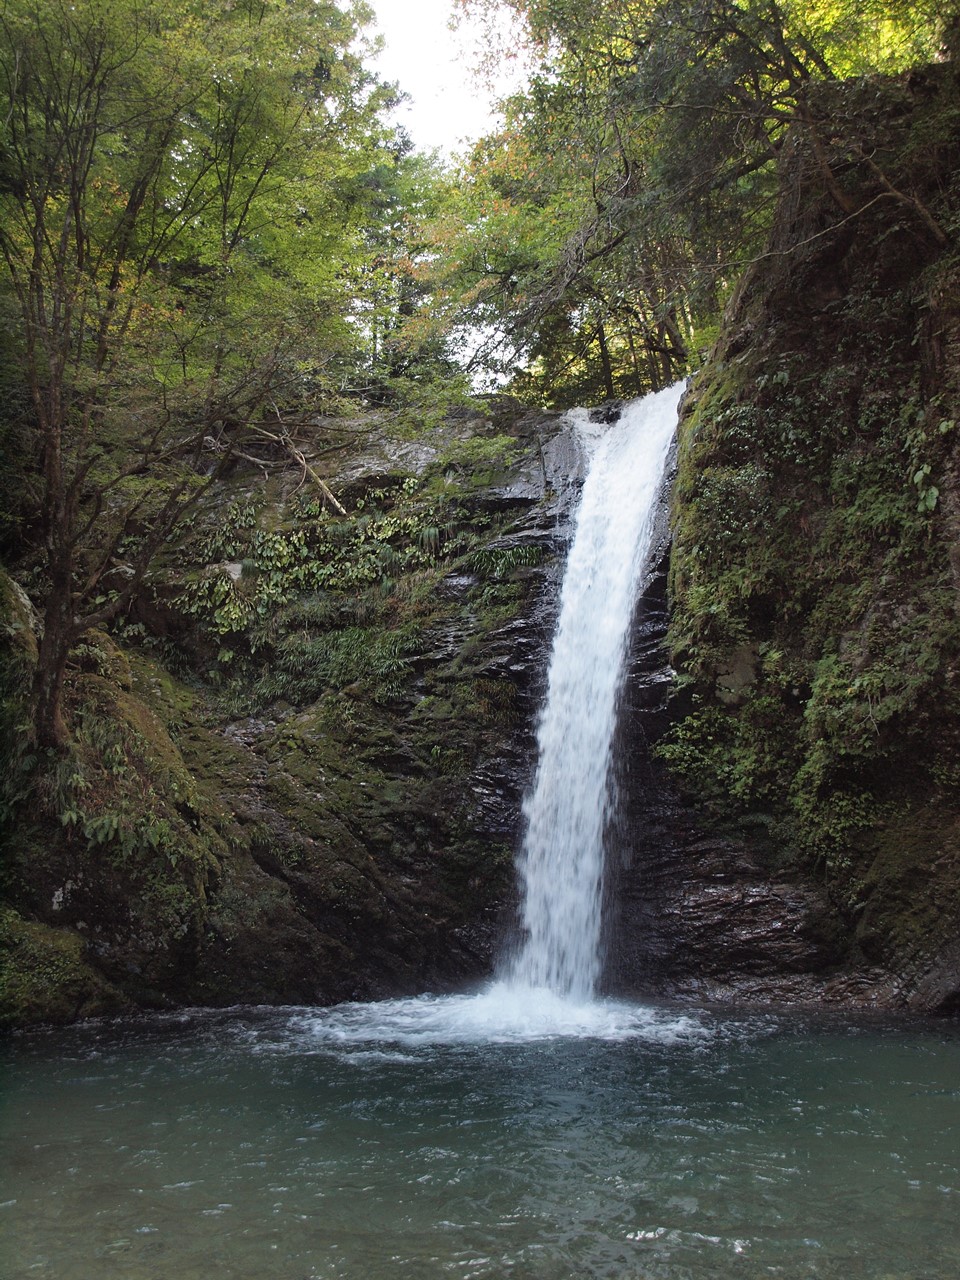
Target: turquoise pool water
[[414, 1139]]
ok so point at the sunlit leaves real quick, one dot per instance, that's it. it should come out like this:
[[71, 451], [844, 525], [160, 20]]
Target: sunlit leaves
[[638, 166], [178, 223]]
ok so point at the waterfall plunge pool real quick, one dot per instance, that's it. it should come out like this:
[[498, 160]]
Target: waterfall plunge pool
[[488, 1137], [529, 1131]]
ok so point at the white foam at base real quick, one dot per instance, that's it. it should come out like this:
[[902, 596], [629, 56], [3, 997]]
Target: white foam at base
[[502, 1013]]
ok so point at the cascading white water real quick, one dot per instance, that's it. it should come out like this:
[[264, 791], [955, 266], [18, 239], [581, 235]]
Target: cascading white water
[[547, 989], [567, 811]]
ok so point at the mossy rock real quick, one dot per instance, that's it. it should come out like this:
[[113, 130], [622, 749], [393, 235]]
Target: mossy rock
[[908, 876], [120, 846], [18, 619], [45, 976], [814, 571], [99, 654], [319, 830]]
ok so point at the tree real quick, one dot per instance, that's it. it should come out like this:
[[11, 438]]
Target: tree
[[638, 168], [390, 281], [173, 229], [562, 260]]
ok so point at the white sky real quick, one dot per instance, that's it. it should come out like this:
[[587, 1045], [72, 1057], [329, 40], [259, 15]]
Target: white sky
[[437, 68]]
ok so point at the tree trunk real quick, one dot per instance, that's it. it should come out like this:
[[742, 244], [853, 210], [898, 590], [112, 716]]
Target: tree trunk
[[50, 728], [605, 364]]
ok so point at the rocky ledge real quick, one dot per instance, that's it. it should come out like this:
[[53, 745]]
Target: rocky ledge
[[353, 836]]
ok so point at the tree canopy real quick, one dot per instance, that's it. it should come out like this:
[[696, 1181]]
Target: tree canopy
[[635, 173], [209, 231], [186, 202]]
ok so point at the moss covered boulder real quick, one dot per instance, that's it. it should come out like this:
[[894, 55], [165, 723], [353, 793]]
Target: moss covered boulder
[[814, 575]]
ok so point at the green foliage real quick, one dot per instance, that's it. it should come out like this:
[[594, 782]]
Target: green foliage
[[392, 532], [375, 660], [500, 562], [604, 225], [319, 603], [479, 457], [126, 796], [168, 231], [190, 199], [814, 617]]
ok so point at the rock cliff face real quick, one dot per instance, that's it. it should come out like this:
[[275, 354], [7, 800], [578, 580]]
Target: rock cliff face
[[319, 800], [298, 768], [704, 903], [814, 582], [388, 824]]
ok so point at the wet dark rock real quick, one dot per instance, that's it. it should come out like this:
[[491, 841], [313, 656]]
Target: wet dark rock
[[694, 913], [355, 849], [608, 412], [695, 908]]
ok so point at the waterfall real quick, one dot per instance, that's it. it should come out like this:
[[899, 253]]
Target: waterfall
[[568, 809], [547, 987]]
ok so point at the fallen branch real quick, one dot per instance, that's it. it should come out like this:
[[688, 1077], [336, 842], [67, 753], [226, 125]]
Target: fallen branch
[[298, 456], [921, 210], [321, 484]]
